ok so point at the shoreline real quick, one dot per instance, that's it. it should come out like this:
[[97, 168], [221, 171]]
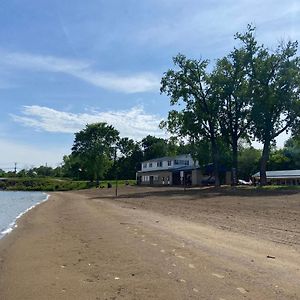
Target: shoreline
[[14, 224], [143, 245]]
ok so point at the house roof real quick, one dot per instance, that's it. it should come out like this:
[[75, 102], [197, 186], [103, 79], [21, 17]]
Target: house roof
[[166, 158], [281, 174], [176, 169]]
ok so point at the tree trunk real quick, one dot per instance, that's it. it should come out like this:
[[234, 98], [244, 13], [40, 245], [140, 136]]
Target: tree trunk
[[263, 163], [234, 169], [215, 155]]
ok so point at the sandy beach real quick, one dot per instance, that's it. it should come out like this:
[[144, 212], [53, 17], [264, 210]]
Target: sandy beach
[[155, 243]]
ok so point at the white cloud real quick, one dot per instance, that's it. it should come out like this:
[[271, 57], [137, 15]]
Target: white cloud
[[134, 123], [136, 83], [26, 155]]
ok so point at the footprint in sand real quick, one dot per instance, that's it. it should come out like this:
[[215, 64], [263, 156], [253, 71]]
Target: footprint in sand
[[180, 256], [242, 290], [218, 275], [192, 266], [195, 290], [162, 251], [154, 245]]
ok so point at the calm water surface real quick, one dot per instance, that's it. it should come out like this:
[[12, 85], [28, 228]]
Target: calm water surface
[[14, 204]]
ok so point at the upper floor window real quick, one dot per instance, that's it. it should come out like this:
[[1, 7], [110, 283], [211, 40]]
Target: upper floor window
[[159, 163], [150, 165], [169, 163], [144, 165], [181, 162]]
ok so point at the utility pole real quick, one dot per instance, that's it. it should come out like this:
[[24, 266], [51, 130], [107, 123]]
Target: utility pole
[[116, 172], [15, 168]]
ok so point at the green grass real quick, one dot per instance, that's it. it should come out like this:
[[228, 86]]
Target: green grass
[[279, 187], [52, 184]]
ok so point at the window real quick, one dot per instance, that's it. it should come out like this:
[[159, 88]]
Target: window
[[145, 178], [159, 163], [169, 163], [181, 162], [145, 166], [150, 165]]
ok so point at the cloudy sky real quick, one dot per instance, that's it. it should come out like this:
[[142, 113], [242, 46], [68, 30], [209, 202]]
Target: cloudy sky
[[64, 64]]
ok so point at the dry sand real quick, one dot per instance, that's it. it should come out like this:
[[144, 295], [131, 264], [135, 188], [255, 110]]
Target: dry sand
[[155, 243]]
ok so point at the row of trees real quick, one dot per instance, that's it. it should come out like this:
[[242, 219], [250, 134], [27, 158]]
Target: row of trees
[[80, 165], [252, 93]]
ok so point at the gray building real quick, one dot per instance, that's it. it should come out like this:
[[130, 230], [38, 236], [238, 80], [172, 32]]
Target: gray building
[[175, 170], [284, 177]]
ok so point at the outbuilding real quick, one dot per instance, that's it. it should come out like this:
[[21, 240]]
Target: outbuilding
[[284, 177]]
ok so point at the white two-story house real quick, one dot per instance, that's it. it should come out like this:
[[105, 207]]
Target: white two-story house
[[175, 170]]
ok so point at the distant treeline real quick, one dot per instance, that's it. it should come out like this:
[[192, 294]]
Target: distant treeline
[[130, 154]]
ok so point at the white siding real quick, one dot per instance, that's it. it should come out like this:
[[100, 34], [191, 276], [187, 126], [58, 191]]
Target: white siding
[[180, 158]]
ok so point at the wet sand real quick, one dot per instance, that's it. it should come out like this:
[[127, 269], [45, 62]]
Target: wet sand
[[155, 243]]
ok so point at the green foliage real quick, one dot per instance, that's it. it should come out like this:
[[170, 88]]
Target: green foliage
[[192, 85], [154, 147], [93, 146], [292, 151], [274, 79], [248, 162], [42, 184]]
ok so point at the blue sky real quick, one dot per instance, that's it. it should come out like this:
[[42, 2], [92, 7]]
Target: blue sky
[[67, 63]]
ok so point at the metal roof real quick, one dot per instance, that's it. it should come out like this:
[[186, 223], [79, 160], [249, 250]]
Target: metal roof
[[182, 168], [281, 174], [167, 158]]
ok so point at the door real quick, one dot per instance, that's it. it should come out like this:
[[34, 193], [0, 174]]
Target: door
[[151, 180]]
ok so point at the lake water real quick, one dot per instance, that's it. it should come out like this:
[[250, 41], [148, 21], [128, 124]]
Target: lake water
[[15, 204]]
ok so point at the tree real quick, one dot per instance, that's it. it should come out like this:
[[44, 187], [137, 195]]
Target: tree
[[248, 160], [2, 173], [129, 160], [231, 87], [94, 147], [191, 85], [274, 79], [154, 147], [292, 151], [279, 160]]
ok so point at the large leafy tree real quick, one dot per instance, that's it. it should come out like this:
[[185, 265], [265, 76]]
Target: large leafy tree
[[190, 84], [154, 147], [94, 146], [231, 87], [292, 151], [248, 162], [130, 157], [274, 78]]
